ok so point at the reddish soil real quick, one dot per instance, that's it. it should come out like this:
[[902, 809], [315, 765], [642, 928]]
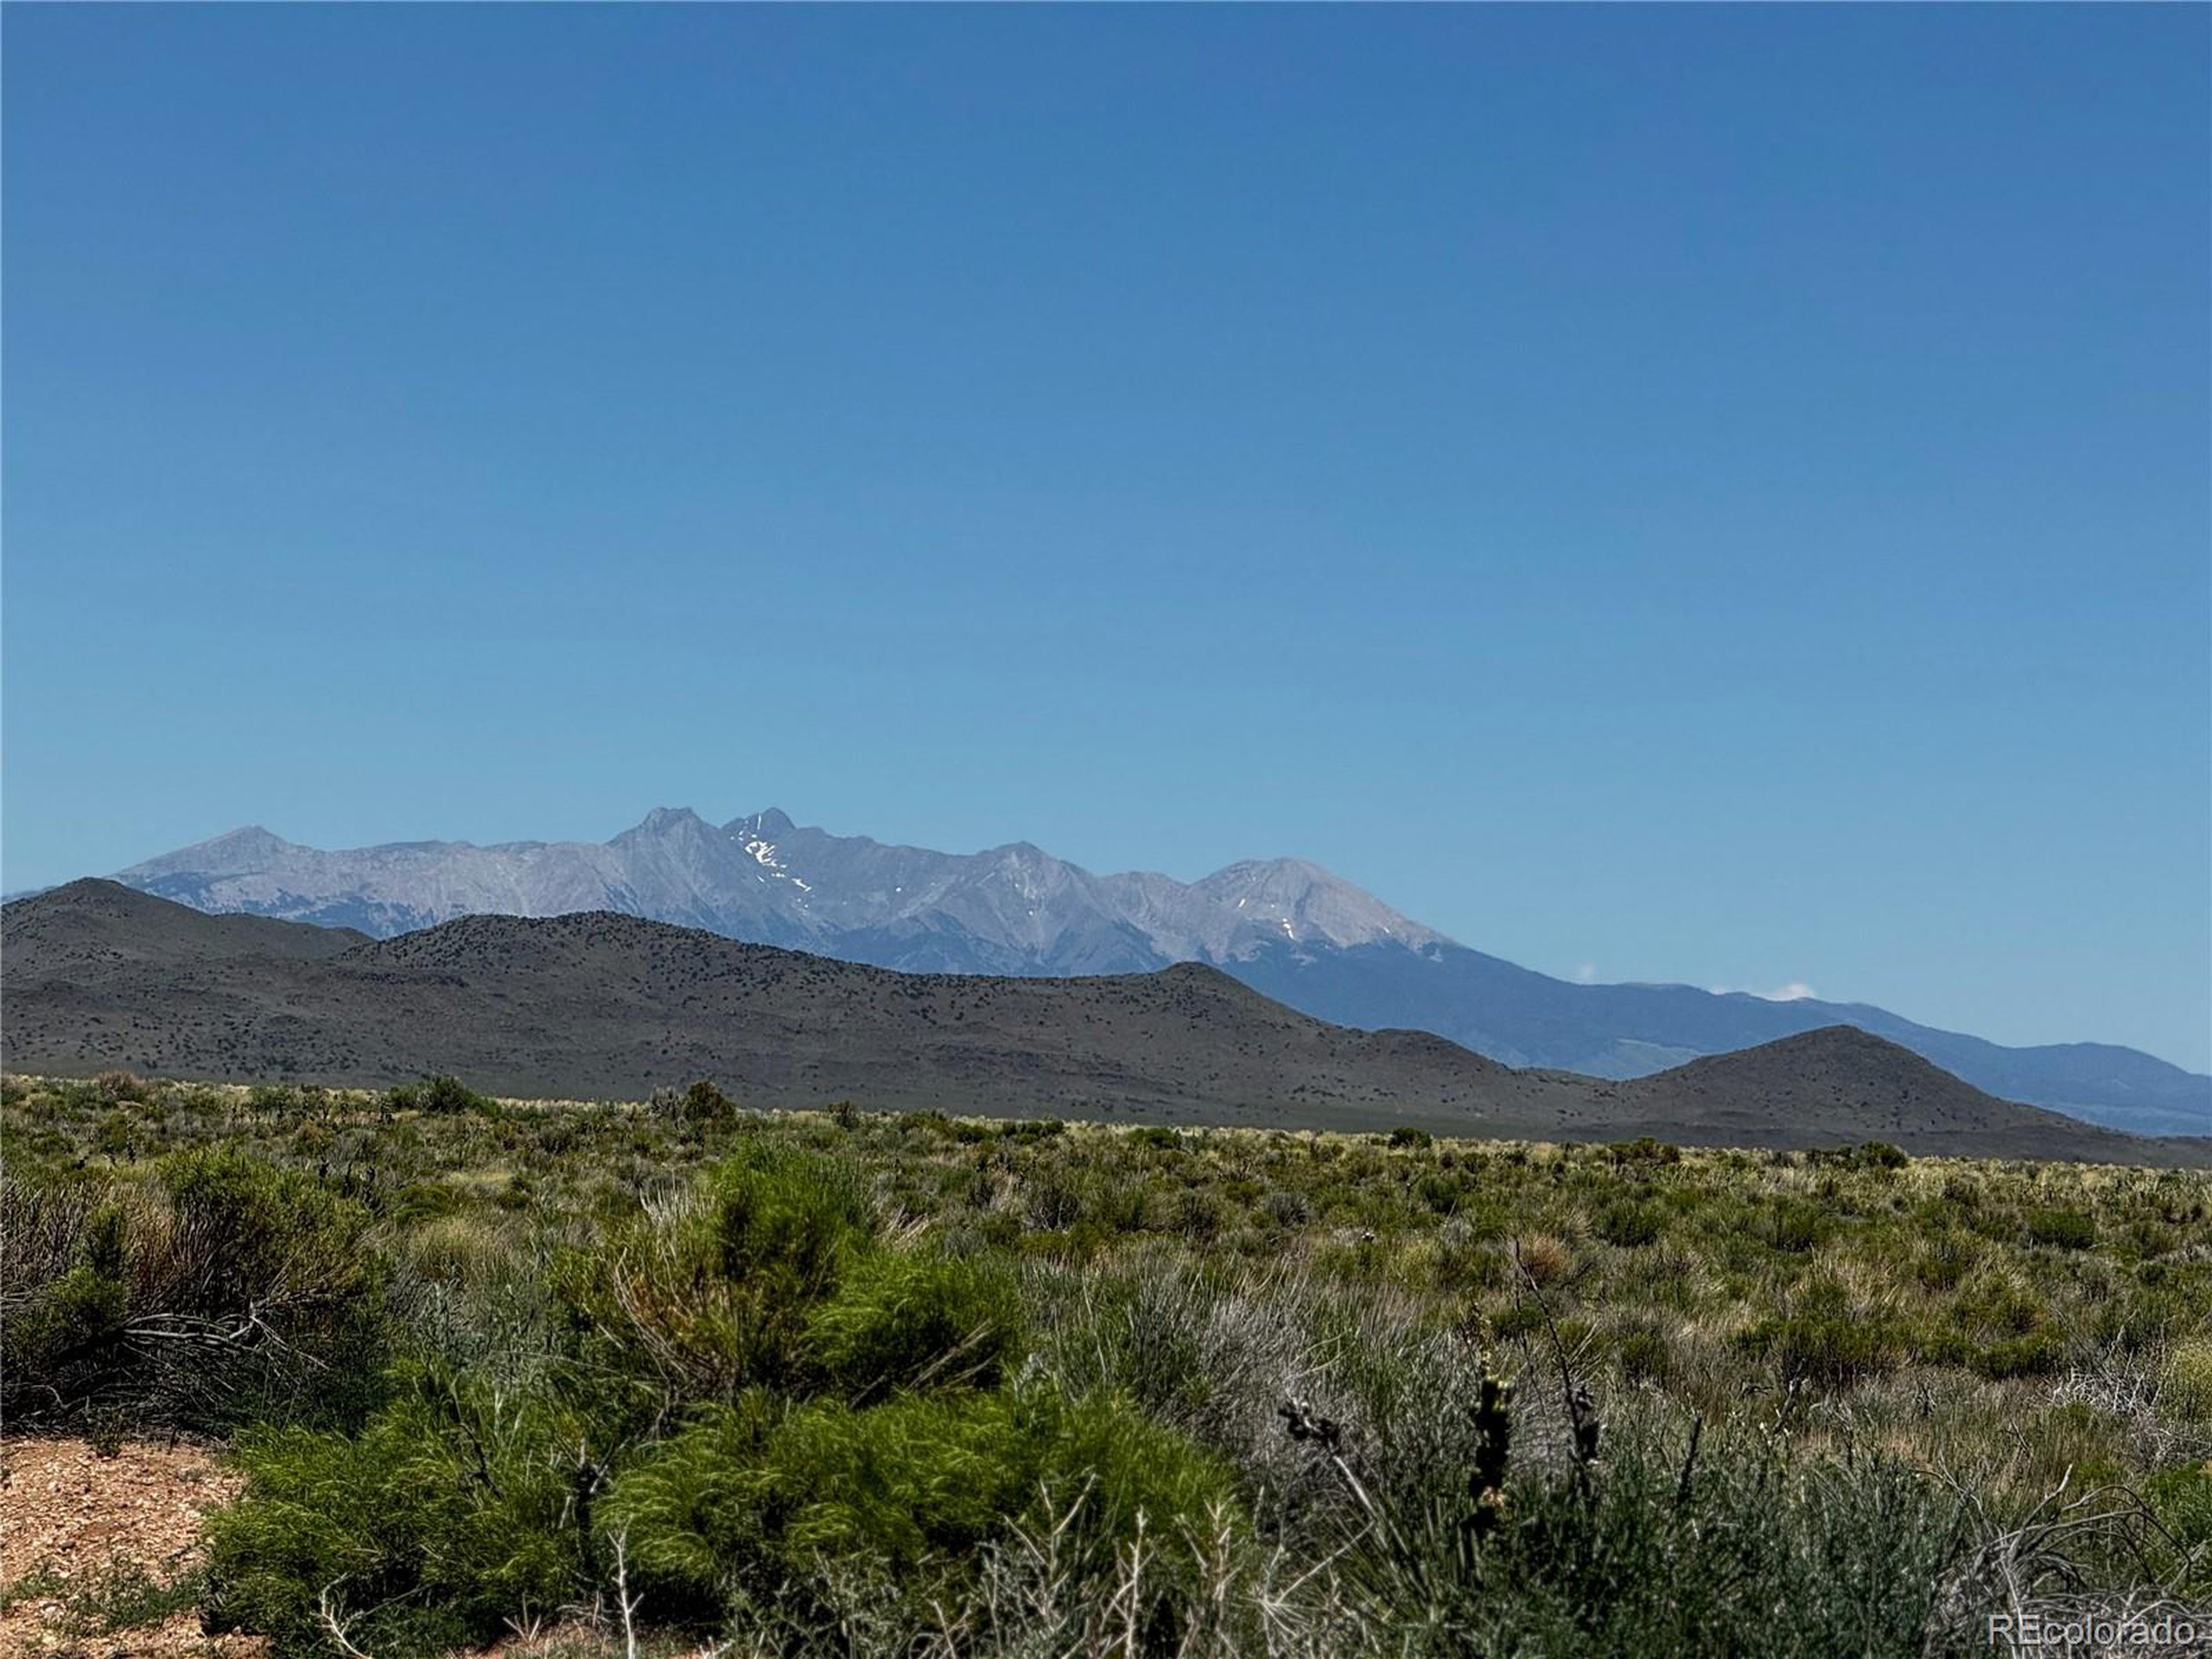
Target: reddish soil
[[71, 1520]]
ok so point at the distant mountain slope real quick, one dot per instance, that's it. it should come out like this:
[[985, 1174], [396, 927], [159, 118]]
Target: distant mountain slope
[[1012, 910], [1625, 1031], [1285, 927], [601, 1003]]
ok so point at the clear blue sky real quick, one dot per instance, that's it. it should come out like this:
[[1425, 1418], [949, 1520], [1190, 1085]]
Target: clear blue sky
[[1716, 494]]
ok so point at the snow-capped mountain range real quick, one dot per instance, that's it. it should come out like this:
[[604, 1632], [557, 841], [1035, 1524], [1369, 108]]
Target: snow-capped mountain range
[[1012, 910], [1287, 928]]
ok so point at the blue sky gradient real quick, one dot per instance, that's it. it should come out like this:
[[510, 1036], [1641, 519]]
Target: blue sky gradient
[[1713, 494]]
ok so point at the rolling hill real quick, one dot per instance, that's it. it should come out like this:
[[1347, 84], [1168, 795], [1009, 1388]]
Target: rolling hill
[[99, 975], [1287, 928]]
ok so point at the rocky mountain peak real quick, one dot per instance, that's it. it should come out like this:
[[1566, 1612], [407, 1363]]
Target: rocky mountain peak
[[1303, 902], [667, 821], [247, 848]]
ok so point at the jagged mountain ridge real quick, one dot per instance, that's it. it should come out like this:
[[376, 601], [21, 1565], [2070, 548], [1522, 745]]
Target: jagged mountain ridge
[[1285, 927], [1010, 909]]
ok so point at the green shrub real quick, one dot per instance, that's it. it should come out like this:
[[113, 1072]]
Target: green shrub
[[1999, 1302], [1824, 1341], [1794, 1225], [1440, 1192], [113, 1139], [79, 1319], [1644, 1354], [122, 1086], [916, 1477], [911, 1319], [2038, 1354], [1832, 1351], [1521, 1317], [1630, 1225], [714, 1293], [1119, 1204], [452, 1512], [275, 1100], [423, 1201], [1407, 1138], [1197, 1214], [1286, 1208], [1130, 1470], [1053, 1203], [2064, 1229], [694, 1111], [916, 1486], [439, 1098], [1945, 1260]]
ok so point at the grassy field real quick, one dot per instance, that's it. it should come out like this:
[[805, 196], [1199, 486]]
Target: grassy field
[[847, 1383]]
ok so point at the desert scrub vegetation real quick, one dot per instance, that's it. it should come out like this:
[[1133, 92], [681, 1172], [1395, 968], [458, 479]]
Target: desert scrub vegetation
[[853, 1384]]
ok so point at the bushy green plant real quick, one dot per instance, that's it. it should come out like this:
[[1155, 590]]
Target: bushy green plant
[[1197, 1214], [706, 1107], [1287, 1209], [920, 1476], [916, 1486], [1644, 1354], [1945, 1259], [454, 1509], [440, 1095], [275, 1099], [1825, 1340], [714, 1293], [1795, 1225], [1630, 1225], [906, 1319], [2064, 1229], [2036, 1354]]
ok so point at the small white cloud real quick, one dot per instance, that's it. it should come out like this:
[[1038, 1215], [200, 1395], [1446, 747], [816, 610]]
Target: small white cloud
[[1796, 991], [1586, 974]]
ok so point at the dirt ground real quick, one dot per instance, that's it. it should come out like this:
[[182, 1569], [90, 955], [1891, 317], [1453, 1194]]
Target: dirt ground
[[75, 1527]]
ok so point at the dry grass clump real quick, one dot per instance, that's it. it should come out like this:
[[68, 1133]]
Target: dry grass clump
[[1546, 1259]]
